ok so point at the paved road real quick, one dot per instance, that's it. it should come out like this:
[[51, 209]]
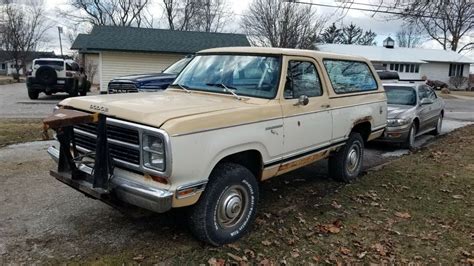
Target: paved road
[[14, 102]]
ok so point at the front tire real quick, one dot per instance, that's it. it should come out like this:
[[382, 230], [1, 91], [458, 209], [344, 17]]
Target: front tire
[[439, 125], [410, 141], [346, 164], [227, 207]]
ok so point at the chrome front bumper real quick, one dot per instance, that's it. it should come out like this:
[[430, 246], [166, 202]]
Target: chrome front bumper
[[150, 198]]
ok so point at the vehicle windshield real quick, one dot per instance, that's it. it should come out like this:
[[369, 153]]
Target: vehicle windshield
[[246, 75], [400, 95], [177, 66]]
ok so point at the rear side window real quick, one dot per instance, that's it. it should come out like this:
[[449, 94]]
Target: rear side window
[[73, 66], [349, 76]]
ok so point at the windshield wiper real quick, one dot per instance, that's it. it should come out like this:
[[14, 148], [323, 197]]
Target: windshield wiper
[[228, 89], [183, 87]]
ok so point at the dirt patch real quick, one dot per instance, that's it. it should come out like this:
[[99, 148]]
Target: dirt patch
[[19, 130]]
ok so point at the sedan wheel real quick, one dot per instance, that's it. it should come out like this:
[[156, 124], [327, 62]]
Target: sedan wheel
[[410, 142], [439, 125]]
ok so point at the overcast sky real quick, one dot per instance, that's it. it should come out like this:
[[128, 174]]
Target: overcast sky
[[378, 23]]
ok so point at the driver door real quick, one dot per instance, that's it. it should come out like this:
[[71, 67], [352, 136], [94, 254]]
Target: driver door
[[307, 127]]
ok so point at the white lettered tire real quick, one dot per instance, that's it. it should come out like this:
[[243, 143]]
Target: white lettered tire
[[227, 207]]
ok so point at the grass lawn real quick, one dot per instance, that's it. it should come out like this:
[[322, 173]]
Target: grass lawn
[[419, 208], [19, 130]]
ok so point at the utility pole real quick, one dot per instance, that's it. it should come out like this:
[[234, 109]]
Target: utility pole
[[60, 30]]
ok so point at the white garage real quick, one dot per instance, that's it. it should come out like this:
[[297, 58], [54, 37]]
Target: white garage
[[116, 51]]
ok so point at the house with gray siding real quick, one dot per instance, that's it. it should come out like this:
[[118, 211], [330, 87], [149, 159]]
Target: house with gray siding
[[412, 64]]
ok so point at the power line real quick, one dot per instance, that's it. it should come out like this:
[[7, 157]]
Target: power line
[[365, 9]]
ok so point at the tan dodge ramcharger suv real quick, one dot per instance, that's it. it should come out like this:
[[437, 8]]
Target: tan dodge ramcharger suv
[[233, 118]]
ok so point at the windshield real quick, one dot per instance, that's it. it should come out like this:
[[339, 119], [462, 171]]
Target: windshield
[[177, 66], [400, 95], [245, 75]]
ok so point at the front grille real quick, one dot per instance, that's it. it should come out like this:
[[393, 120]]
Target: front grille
[[124, 143], [120, 87]]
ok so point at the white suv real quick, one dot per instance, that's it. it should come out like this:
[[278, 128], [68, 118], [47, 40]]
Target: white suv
[[52, 75]]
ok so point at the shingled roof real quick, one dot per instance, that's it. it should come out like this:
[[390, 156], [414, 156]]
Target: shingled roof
[[112, 38], [8, 55]]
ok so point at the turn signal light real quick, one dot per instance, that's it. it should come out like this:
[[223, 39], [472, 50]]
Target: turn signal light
[[158, 179]]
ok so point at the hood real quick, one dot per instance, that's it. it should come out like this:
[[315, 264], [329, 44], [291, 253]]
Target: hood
[[156, 108], [144, 77], [399, 111]]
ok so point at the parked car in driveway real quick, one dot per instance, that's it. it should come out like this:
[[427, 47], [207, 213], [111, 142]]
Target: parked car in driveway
[[52, 75], [147, 82], [413, 110]]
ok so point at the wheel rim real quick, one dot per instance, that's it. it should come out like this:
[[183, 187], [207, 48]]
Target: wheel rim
[[232, 205], [440, 124], [353, 158]]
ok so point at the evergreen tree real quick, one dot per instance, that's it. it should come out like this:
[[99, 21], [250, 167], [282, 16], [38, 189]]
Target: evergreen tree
[[331, 34]]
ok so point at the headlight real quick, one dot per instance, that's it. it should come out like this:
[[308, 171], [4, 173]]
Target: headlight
[[397, 122], [153, 152]]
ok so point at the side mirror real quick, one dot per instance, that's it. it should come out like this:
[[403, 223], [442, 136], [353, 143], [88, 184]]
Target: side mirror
[[302, 100], [426, 101]]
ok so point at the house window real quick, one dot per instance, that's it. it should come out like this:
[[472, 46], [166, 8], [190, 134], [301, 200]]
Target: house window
[[407, 68], [456, 70], [4, 66]]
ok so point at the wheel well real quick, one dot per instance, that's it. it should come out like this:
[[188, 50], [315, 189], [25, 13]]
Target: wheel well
[[251, 159], [363, 129], [417, 123]]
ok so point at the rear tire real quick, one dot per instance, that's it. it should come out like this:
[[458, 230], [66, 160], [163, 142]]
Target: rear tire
[[227, 207], [33, 94], [346, 164]]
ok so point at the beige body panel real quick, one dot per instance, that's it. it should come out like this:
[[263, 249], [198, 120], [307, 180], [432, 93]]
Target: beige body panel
[[204, 127]]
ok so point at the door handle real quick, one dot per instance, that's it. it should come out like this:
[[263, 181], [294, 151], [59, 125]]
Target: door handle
[[325, 106]]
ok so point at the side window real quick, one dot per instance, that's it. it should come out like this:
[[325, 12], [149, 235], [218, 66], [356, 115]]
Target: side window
[[302, 79], [431, 94], [350, 76], [422, 93]]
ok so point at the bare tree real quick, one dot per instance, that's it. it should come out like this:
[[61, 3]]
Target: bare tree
[[408, 36], [445, 21], [111, 12], [458, 82], [23, 30], [280, 24], [195, 15]]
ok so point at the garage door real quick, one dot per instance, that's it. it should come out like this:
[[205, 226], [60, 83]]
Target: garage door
[[116, 64]]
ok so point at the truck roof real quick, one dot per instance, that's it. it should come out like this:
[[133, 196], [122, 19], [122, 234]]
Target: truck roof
[[282, 51]]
